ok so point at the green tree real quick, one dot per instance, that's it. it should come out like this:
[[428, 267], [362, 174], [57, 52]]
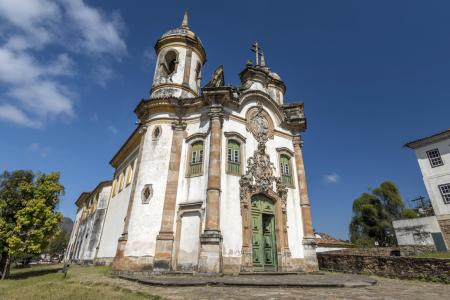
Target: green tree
[[27, 214], [373, 214], [58, 243]]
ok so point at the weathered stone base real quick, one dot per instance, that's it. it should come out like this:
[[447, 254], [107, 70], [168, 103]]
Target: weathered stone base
[[103, 261], [310, 261], [163, 252], [210, 252], [231, 265], [133, 263], [444, 223]]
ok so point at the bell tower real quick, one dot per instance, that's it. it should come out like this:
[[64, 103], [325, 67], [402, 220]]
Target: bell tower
[[180, 58]]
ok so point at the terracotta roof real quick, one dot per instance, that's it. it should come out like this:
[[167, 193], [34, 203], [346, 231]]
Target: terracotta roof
[[429, 139], [326, 240]]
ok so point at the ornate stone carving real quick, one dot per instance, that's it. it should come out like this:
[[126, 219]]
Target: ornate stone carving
[[217, 79], [259, 176], [260, 124], [165, 93]]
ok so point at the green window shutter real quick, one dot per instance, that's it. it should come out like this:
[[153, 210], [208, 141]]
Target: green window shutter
[[286, 174], [196, 165], [234, 152]]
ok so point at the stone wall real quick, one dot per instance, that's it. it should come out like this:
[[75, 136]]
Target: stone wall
[[410, 250], [430, 269]]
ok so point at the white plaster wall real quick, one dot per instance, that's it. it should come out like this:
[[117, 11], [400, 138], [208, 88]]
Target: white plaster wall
[[433, 177], [114, 222], [193, 189], [192, 79], [405, 229], [103, 197], [189, 240], [327, 249], [230, 205], [73, 236], [145, 219]]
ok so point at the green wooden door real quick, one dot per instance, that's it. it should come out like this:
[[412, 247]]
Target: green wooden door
[[264, 246]]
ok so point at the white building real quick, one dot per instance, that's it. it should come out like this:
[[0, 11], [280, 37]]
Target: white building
[[433, 155], [423, 231], [212, 179]]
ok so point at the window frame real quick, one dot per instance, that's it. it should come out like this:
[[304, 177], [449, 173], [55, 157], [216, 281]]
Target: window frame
[[197, 160], [445, 195], [432, 159], [289, 154], [240, 140]]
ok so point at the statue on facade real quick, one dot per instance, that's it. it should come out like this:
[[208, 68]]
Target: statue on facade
[[217, 79]]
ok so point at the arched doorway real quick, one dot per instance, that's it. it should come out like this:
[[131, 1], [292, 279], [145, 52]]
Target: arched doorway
[[264, 244]]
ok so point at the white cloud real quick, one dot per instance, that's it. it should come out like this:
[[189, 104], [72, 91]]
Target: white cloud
[[11, 114], [37, 42], [37, 148], [113, 129], [331, 178]]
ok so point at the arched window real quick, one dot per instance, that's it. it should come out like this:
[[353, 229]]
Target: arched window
[[114, 188], [286, 170], [121, 178], [156, 133], [130, 173], [198, 75], [234, 157], [168, 64], [196, 159]]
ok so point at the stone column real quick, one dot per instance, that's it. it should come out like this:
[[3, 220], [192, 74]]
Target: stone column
[[309, 242], [165, 238], [119, 261], [210, 240]]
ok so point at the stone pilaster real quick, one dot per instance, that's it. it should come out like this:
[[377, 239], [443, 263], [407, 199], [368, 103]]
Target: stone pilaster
[[118, 262], [211, 239], [309, 243], [165, 238]]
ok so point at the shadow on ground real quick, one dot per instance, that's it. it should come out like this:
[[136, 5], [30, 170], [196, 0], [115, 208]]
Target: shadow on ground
[[32, 273]]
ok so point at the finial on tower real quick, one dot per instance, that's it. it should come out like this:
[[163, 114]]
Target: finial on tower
[[263, 60], [255, 48], [185, 22]]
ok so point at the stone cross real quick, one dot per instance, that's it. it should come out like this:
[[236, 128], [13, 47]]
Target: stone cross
[[257, 50]]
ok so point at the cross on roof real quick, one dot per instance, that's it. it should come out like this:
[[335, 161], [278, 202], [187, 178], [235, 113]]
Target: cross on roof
[[258, 52]]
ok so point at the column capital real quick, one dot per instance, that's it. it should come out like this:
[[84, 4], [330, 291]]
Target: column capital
[[297, 140], [216, 111], [179, 125]]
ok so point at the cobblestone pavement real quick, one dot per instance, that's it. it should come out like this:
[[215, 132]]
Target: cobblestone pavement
[[384, 289]]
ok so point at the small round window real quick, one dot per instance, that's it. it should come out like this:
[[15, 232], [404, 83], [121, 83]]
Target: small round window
[[156, 133]]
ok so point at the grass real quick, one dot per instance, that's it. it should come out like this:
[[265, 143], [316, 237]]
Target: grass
[[444, 255], [44, 282]]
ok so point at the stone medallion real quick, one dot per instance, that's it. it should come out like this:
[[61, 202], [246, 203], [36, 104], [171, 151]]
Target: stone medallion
[[259, 123]]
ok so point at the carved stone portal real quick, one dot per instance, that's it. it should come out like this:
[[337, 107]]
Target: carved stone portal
[[259, 179]]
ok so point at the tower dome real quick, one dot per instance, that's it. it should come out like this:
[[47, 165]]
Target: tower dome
[[180, 57]]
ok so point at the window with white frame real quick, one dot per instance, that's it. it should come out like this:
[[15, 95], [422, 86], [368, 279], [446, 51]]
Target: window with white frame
[[435, 158], [445, 192]]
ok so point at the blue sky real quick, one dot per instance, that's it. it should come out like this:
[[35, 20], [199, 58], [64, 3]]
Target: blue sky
[[373, 75]]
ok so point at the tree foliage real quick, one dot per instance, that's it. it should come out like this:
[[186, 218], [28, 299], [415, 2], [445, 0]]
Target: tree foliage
[[373, 214], [27, 213]]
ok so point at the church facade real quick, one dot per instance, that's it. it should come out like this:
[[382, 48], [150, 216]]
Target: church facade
[[212, 180]]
